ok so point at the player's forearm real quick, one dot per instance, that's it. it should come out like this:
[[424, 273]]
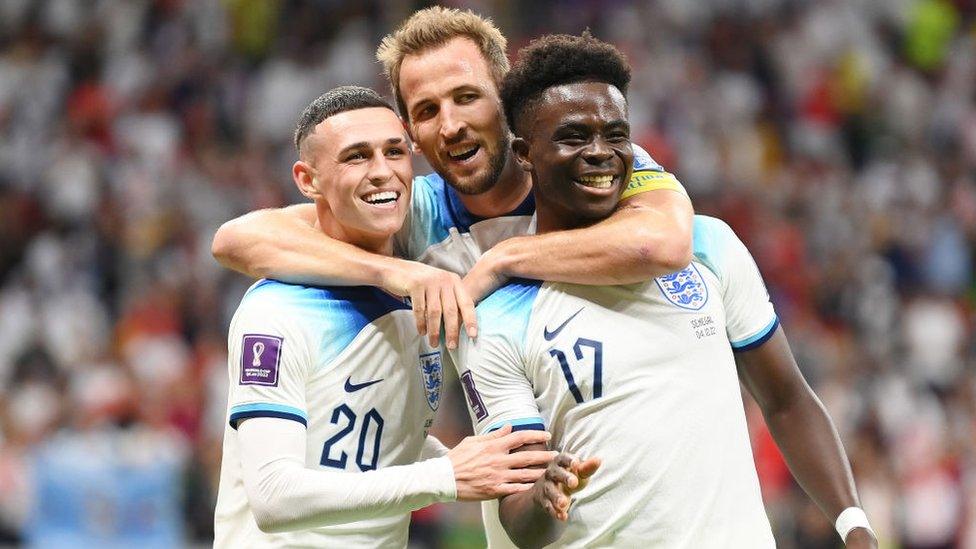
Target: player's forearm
[[284, 244], [799, 424], [528, 524], [814, 453], [634, 244]]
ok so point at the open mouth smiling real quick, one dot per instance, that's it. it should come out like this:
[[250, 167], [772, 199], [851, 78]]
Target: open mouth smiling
[[596, 181], [381, 198], [460, 153]]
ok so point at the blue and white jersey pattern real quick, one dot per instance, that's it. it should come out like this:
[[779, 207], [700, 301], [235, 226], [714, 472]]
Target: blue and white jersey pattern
[[642, 376], [441, 232], [347, 363]]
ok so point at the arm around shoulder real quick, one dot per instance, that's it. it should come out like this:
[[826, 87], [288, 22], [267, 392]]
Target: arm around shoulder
[[649, 235], [285, 244], [663, 229]]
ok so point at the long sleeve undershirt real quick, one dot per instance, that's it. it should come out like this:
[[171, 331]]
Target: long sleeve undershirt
[[285, 495]]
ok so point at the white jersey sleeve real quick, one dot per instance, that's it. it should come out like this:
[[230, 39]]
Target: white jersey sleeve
[[269, 362], [492, 368], [425, 224], [750, 318], [285, 494]]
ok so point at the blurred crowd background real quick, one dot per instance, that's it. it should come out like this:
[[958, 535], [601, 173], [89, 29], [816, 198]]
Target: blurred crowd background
[[838, 137]]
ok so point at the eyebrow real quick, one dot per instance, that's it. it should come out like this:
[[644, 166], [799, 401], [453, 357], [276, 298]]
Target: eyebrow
[[575, 125], [365, 144], [455, 89]]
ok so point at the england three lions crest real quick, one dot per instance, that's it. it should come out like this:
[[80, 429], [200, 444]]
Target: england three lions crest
[[430, 369], [685, 288]]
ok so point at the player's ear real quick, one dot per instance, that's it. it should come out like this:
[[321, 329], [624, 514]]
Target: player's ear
[[520, 148], [304, 176]]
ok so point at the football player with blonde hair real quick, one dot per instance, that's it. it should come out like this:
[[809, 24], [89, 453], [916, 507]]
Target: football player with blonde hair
[[472, 218]]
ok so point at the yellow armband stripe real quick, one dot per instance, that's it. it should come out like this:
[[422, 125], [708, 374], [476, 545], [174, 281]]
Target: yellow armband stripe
[[646, 180]]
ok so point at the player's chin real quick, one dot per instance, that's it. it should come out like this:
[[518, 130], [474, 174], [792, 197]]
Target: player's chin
[[383, 222], [596, 210], [475, 182], [386, 225]]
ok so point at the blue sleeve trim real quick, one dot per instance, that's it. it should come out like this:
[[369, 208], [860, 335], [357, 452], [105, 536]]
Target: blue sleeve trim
[[524, 424], [266, 409], [758, 339]]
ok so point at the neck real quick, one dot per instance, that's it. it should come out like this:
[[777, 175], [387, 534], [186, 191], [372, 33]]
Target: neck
[[512, 187], [328, 224], [549, 218]]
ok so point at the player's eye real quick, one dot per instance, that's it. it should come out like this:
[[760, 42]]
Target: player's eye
[[466, 98], [424, 113], [355, 157], [395, 152], [572, 138]]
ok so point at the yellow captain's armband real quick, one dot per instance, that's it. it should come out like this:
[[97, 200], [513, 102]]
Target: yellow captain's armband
[[646, 180]]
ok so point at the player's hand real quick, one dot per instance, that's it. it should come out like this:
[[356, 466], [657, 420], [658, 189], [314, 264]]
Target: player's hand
[[860, 538], [486, 468], [435, 294], [565, 475], [485, 277]]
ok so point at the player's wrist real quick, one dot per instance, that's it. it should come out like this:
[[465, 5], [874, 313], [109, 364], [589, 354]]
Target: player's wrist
[[500, 260], [389, 274], [851, 519]]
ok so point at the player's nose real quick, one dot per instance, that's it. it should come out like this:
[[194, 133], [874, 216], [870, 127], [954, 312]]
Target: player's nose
[[452, 126], [379, 169], [598, 151]]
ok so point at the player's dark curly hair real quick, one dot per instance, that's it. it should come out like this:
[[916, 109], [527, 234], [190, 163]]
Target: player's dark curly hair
[[557, 59], [333, 102]]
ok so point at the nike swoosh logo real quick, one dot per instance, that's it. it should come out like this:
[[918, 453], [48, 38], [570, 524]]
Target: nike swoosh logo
[[552, 335], [353, 387]]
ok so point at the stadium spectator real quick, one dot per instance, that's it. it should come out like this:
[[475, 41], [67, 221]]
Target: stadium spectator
[[838, 139]]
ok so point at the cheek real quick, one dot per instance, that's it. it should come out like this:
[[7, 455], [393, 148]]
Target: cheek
[[404, 171], [343, 187]]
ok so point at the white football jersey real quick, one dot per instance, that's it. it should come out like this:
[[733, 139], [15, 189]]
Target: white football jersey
[[642, 376], [347, 363], [441, 232]]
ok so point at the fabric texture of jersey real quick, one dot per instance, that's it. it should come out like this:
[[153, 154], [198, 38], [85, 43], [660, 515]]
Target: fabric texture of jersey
[[441, 232], [349, 364], [642, 376]]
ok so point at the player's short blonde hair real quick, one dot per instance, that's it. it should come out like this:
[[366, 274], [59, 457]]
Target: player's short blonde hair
[[433, 27]]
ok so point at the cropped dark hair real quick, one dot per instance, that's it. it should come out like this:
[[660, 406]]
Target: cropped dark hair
[[557, 59], [332, 102]]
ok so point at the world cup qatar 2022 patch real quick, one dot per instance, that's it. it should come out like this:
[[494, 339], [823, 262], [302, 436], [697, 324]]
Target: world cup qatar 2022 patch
[[260, 358]]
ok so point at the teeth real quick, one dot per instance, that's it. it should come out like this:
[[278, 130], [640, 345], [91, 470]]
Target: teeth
[[597, 181], [384, 196], [461, 150]]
